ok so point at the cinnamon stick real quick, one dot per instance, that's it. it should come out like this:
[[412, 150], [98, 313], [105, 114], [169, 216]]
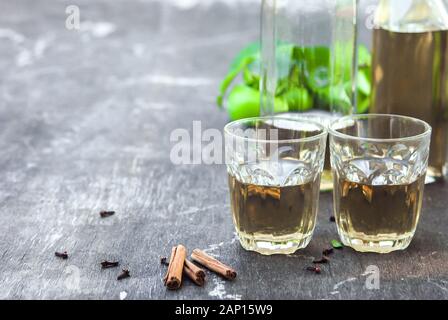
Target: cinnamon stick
[[173, 277], [196, 274], [213, 264]]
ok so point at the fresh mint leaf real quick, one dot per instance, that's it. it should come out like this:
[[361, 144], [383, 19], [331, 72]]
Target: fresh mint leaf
[[364, 56], [336, 244], [251, 79], [306, 78], [316, 66], [363, 103], [364, 81], [230, 77], [252, 50], [334, 98]]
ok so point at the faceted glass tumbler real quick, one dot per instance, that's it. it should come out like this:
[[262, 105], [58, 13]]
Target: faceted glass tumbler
[[379, 164], [274, 167]]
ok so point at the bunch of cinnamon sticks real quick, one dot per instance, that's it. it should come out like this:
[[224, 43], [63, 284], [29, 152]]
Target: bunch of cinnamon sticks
[[179, 265]]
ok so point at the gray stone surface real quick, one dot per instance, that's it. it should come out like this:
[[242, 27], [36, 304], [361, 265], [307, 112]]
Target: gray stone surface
[[85, 121]]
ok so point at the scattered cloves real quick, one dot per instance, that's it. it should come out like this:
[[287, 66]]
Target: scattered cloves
[[124, 274], [315, 269], [62, 255], [109, 264], [332, 219], [105, 214], [327, 252]]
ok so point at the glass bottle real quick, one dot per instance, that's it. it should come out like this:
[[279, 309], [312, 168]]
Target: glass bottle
[[308, 61], [410, 68]]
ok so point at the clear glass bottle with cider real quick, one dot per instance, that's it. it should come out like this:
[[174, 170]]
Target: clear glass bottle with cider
[[410, 68]]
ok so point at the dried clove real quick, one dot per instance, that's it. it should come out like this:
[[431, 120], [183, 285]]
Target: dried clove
[[105, 214], [109, 264], [62, 255], [164, 261], [332, 219], [124, 274], [327, 252], [315, 269]]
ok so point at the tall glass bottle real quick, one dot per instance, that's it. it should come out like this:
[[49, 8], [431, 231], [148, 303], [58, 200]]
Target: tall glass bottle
[[308, 60], [410, 68]]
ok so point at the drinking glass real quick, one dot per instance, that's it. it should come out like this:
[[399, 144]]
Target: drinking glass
[[379, 164], [324, 118], [274, 168]]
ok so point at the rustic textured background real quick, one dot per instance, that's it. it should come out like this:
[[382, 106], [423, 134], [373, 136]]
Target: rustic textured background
[[85, 120]]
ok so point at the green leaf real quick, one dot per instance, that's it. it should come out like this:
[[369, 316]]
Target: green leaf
[[364, 81], [316, 66], [230, 77], [284, 59], [336, 244], [282, 86], [343, 62], [295, 78], [303, 78], [247, 56], [318, 77], [333, 98], [340, 100], [364, 56], [252, 50], [363, 103], [322, 98], [251, 79], [317, 56]]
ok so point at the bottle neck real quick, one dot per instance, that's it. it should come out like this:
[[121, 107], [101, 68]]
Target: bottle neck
[[412, 15]]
